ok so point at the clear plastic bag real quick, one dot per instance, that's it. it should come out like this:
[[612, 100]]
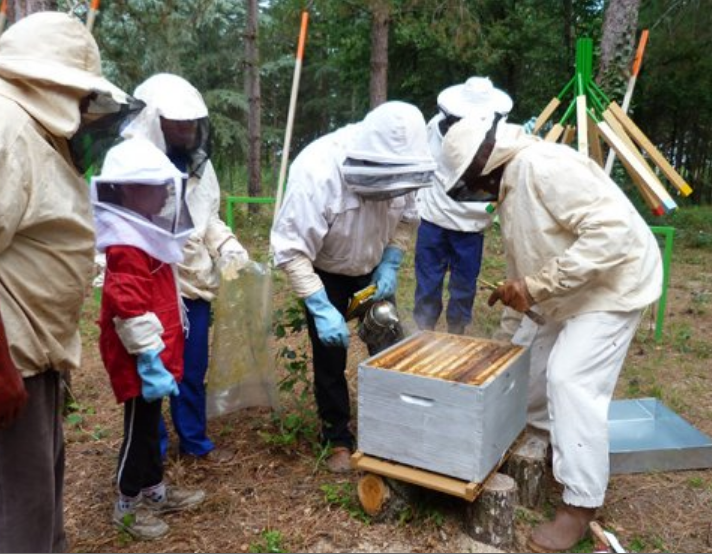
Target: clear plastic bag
[[241, 372]]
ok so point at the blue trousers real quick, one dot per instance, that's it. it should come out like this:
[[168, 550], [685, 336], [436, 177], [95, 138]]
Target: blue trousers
[[188, 409], [438, 250]]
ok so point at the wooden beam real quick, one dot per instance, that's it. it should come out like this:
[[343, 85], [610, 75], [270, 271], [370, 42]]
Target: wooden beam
[[644, 142], [594, 142], [569, 133], [582, 124], [554, 133], [546, 114], [643, 171]]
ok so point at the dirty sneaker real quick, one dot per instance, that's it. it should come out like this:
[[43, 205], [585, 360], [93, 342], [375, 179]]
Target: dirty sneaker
[[175, 500], [140, 524], [340, 460]]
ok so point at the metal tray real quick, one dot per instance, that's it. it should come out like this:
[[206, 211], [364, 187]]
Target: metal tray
[[647, 436]]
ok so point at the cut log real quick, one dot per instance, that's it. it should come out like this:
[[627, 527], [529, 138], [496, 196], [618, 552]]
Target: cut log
[[383, 499], [490, 518], [527, 466]]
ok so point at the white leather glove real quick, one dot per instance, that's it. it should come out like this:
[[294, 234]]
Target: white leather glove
[[231, 262]]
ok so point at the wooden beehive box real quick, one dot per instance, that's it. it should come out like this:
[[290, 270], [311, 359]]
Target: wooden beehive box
[[445, 403]]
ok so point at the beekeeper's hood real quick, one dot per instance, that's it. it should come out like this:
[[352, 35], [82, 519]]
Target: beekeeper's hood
[[389, 155], [474, 154], [139, 200], [50, 65], [171, 97]]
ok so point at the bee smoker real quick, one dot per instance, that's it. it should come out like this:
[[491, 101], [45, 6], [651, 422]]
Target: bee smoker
[[380, 326]]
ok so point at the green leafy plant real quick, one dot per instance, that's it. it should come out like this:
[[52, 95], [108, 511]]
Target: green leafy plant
[[271, 541], [343, 495], [300, 420]]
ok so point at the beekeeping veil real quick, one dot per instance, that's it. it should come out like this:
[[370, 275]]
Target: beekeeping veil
[[389, 155], [170, 97], [139, 200], [50, 65]]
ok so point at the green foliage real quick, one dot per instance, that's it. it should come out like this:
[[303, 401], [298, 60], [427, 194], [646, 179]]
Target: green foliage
[[270, 541], [344, 496], [301, 421]]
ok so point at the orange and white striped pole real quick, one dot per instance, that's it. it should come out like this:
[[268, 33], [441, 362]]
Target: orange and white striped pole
[[91, 16], [3, 15], [290, 115], [637, 62]]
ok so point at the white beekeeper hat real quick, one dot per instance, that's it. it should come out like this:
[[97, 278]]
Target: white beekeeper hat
[[476, 94]]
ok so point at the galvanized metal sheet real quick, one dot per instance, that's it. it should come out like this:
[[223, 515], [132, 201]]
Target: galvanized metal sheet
[[646, 436]]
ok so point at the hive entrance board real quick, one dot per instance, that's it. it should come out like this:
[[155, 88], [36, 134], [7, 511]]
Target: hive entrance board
[[447, 357]]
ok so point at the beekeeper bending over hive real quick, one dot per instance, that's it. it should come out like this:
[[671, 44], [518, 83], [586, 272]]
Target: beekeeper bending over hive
[[579, 253], [347, 218]]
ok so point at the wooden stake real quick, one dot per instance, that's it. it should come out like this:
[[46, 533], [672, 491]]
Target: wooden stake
[[643, 141], [594, 142], [554, 133], [582, 124], [569, 133], [546, 114]]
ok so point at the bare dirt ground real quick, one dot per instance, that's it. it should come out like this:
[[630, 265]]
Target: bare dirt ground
[[273, 497]]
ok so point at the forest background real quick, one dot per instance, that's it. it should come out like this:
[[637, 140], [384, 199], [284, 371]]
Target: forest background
[[240, 54]]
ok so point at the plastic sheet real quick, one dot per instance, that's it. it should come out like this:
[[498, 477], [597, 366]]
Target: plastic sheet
[[241, 372]]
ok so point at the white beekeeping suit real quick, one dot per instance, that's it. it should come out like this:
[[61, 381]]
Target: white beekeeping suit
[[172, 97]]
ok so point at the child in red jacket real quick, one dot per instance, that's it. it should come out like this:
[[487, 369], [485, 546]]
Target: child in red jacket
[[141, 225]]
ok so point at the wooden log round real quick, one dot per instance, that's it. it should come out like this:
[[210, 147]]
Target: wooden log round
[[490, 518], [383, 499], [527, 466]]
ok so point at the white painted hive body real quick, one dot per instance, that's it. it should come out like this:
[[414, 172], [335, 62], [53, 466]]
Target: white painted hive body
[[445, 403]]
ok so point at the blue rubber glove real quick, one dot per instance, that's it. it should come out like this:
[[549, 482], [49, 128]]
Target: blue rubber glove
[[385, 276], [157, 381], [330, 324]]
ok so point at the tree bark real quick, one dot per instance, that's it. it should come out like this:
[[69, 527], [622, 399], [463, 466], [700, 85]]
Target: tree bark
[[490, 518], [254, 101], [527, 466], [380, 24], [617, 45], [17, 9]]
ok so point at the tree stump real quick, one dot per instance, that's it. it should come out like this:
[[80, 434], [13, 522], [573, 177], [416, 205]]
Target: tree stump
[[385, 499], [527, 466], [490, 518]]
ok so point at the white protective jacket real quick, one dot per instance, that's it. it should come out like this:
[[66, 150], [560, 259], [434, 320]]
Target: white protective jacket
[[322, 223], [435, 206], [48, 62], [174, 98], [570, 230]]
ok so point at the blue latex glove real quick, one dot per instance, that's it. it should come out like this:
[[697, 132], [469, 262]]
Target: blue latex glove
[[157, 381], [330, 324], [385, 276]]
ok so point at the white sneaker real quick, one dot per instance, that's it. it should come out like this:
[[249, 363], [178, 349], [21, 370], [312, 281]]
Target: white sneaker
[[176, 500], [140, 524]]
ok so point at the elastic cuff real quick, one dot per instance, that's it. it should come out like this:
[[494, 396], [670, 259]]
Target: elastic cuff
[[582, 501]]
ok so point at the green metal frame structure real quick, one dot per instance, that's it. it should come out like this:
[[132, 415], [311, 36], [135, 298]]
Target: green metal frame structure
[[668, 233], [232, 200]]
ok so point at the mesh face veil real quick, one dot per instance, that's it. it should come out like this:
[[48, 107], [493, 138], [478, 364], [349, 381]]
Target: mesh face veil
[[102, 120], [139, 200], [378, 181]]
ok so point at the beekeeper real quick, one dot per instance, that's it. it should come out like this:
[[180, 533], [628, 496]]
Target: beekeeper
[[346, 221], [59, 115], [176, 120], [578, 253], [450, 236]]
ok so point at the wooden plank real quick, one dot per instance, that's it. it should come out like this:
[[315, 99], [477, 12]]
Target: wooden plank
[[644, 142], [546, 114], [427, 479], [554, 133], [650, 198], [569, 133], [594, 142], [582, 124], [623, 152]]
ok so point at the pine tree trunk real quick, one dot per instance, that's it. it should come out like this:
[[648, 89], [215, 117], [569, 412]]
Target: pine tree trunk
[[379, 52], [17, 9], [617, 45], [254, 101]]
